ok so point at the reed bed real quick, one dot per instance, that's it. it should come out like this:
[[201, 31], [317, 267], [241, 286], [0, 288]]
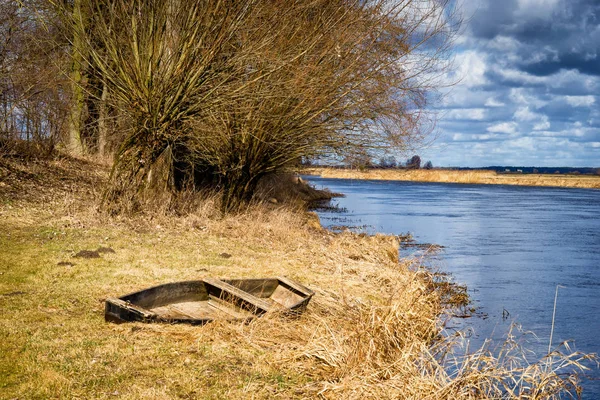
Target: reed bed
[[479, 177]]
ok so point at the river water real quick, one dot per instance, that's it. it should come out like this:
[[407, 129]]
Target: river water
[[511, 246]]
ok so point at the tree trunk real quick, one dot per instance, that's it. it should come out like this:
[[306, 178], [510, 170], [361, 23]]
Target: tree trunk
[[103, 121], [142, 178], [238, 189], [75, 144]]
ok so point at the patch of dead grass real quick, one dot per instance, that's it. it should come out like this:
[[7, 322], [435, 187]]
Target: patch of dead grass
[[466, 177]]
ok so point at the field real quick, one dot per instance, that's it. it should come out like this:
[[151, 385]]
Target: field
[[465, 177], [373, 330]]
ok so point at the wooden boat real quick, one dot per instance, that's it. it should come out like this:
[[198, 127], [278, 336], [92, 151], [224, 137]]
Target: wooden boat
[[202, 301]]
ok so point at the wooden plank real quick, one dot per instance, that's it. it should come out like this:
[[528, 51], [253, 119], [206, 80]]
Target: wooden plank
[[296, 286], [230, 309], [285, 297], [125, 311], [171, 312], [168, 293], [132, 307], [261, 288], [247, 297]]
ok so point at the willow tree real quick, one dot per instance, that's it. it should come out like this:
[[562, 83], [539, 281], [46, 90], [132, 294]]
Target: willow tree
[[222, 92], [165, 63], [344, 78]]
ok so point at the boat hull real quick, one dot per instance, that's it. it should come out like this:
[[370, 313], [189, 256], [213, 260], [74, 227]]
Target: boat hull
[[202, 301]]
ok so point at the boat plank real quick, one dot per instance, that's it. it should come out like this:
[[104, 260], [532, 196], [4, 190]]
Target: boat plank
[[247, 297], [285, 298], [117, 309], [296, 286], [230, 309], [261, 288]]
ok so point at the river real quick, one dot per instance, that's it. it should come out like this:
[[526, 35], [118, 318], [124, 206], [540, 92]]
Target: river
[[511, 246]]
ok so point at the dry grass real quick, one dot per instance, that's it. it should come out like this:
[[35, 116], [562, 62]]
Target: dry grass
[[371, 331], [467, 177]]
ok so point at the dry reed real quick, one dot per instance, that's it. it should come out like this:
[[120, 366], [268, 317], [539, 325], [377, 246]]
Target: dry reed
[[465, 177]]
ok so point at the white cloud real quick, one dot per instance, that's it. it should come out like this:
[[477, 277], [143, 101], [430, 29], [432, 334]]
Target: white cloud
[[504, 43], [571, 131], [526, 143], [563, 79], [566, 78], [524, 114], [545, 54], [543, 124], [471, 68], [463, 137], [462, 97], [503, 127], [523, 78], [580, 101], [492, 102], [523, 96], [472, 114], [486, 136]]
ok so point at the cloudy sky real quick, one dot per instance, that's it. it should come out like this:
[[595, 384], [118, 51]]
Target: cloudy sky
[[529, 90]]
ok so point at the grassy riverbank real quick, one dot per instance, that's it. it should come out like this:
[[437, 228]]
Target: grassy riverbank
[[466, 177], [372, 330]]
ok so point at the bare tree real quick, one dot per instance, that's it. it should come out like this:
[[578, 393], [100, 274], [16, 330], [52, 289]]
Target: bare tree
[[343, 87], [164, 63], [77, 77], [223, 93], [33, 93]]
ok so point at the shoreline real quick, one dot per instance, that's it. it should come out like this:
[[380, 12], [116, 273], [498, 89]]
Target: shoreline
[[474, 177]]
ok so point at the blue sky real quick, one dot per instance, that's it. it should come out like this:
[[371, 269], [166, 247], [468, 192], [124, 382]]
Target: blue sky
[[529, 86]]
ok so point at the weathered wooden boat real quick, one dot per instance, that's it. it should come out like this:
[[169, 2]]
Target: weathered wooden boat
[[202, 301]]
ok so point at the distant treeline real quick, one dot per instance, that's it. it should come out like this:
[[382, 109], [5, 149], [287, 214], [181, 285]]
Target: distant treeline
[[535, 170], [498, 169]]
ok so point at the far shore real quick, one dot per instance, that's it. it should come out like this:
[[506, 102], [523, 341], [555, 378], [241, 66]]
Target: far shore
[[480, 177]]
